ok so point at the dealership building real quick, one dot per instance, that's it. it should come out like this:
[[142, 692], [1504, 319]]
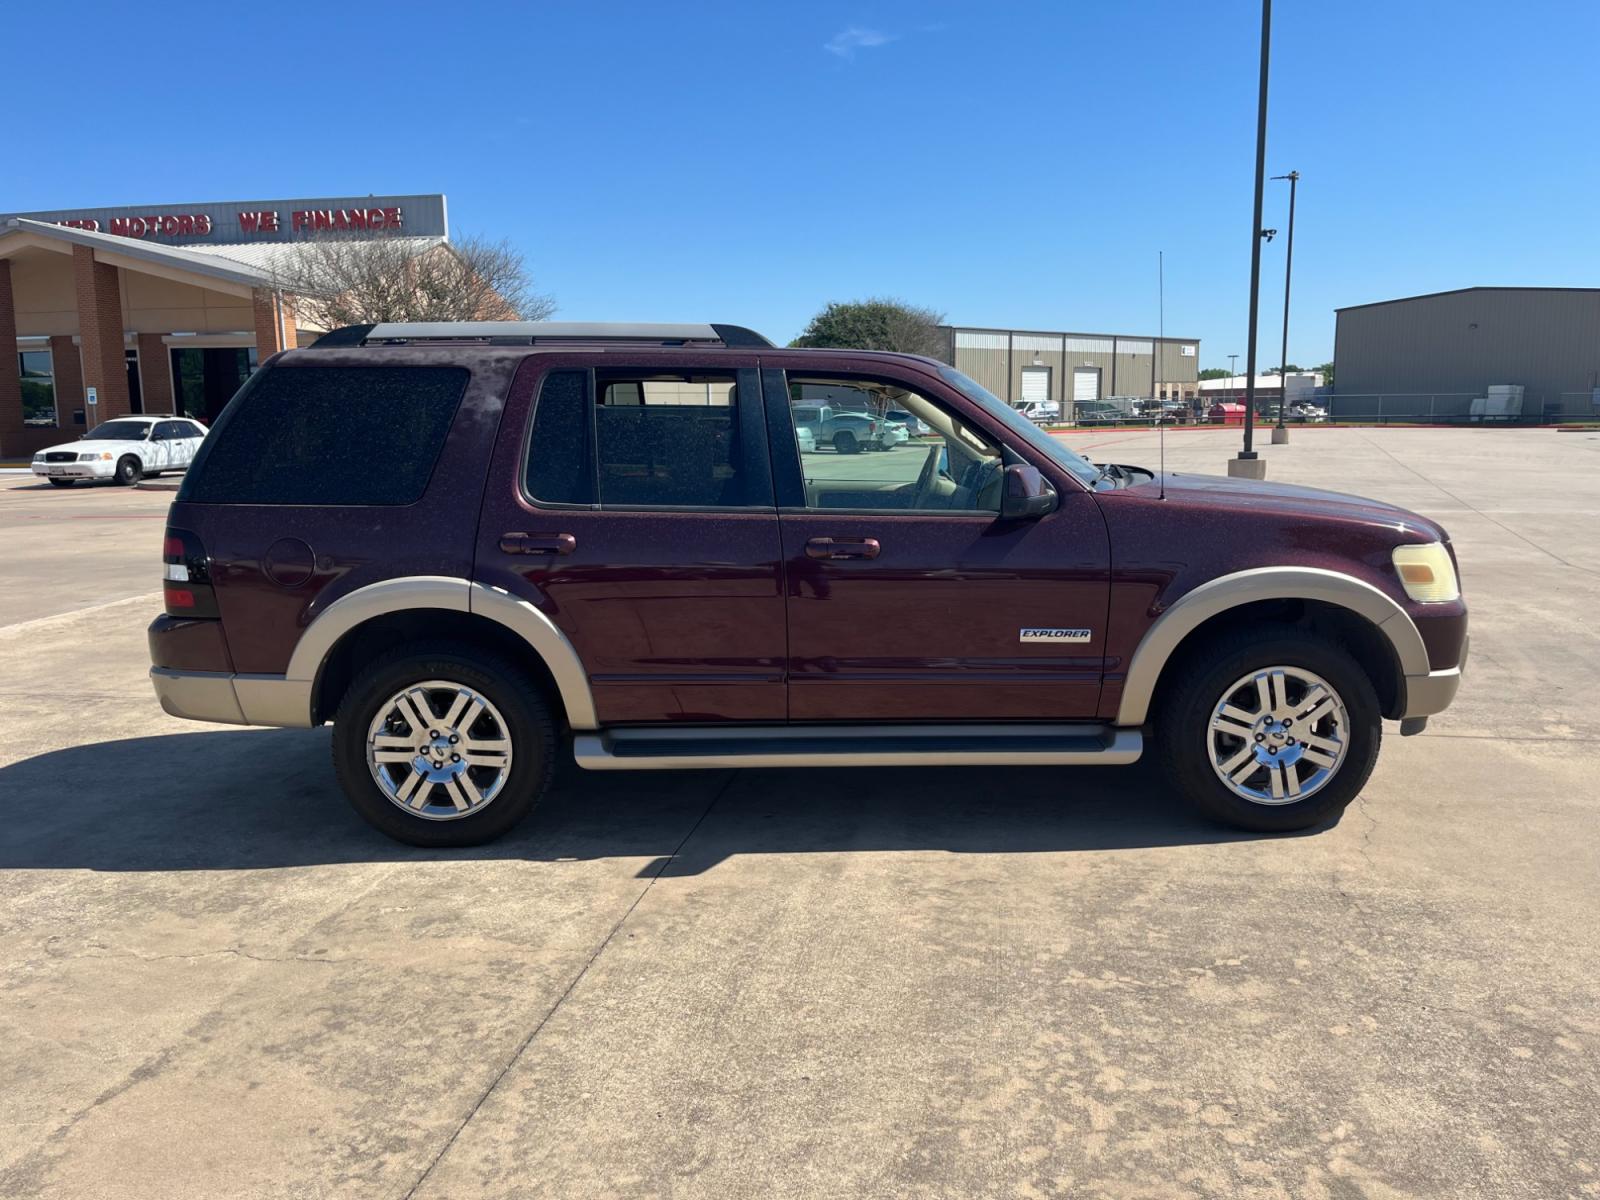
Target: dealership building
[[1025, 365], [166, 308], [1452, 346]]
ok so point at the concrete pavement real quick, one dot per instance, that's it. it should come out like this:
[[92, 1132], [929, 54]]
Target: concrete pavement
[[216, 981]]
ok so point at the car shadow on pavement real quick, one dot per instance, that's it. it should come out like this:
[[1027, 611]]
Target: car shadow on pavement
[[262, 798]]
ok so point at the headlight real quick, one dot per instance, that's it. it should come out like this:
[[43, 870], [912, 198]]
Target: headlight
[[1427, 573], [39, 457], [104, 454]]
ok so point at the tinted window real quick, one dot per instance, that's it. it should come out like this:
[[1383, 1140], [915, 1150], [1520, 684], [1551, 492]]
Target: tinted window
[[38, 388], [669, 439], [560, 466], [329, 435]]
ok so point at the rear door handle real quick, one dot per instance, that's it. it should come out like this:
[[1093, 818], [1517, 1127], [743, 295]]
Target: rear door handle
[[827, 547], [538, 543]]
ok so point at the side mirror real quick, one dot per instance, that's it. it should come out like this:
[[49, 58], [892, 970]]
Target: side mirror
[[1027, 494]]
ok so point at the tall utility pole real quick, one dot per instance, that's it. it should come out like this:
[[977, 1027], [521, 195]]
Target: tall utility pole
[[1280, 435], [1247, 463], [1233, 376]]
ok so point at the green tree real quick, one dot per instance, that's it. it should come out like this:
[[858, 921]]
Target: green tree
[[878, 323], [1216, 373], [1326, 370]]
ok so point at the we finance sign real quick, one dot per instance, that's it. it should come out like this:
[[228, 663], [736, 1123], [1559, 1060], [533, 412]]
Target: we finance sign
[[260, 220]]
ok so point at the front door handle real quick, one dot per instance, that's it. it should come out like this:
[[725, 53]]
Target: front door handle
[[827, 547], [538, 543]]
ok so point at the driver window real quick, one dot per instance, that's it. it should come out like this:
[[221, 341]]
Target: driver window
[[867, 444]]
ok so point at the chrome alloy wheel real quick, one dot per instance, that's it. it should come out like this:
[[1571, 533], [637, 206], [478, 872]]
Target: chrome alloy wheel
[[439, 750], [1278, 735]]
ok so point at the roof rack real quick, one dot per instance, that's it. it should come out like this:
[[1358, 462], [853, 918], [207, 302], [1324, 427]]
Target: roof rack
[[539, 333]]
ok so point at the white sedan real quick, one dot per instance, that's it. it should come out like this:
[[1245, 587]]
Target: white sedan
[[126, 449]]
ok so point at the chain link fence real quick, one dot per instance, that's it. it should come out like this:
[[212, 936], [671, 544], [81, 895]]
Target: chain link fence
[[1457, 408], [1389, 408]]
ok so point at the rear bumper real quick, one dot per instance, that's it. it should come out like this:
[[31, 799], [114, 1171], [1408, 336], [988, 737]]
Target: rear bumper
[[1432, 693], [229, 699]]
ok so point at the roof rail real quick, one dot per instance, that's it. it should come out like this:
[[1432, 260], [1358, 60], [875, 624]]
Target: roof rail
[[539, 333]]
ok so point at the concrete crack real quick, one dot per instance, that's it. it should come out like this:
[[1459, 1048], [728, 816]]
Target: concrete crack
[[522, 1048]]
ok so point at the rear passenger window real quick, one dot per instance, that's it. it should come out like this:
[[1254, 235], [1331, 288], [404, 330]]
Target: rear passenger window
[[560, 464], [626, 439], [671, 440], [329, 435]]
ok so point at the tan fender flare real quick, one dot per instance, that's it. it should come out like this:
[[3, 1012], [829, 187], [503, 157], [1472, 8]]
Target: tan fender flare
[[441, 592], [549, 643], [1246, 587]]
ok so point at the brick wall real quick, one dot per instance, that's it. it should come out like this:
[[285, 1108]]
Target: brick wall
[[268, 342], [99, 291], [155, 374], [11, 427], [67, 366]]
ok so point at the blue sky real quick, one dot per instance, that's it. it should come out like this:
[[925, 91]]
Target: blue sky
[[1009, 164]]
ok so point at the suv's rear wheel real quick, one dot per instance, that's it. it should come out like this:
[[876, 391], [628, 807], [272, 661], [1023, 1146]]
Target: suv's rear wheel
[[443, 745], [1273, 730]]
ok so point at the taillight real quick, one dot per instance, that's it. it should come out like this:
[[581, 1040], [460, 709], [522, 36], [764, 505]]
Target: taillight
[[186, 576]]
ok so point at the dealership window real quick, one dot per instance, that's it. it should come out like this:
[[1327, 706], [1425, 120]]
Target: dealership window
[[38, 389], [205, 379]]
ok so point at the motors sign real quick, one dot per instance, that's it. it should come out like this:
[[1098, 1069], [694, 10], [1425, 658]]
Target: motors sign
[[260, 220]]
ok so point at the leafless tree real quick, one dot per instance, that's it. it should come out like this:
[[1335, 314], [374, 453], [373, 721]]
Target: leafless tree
[[343, 281]]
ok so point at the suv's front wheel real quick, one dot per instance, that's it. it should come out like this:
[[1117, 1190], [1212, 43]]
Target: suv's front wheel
[[1272, 730], [443, 745]]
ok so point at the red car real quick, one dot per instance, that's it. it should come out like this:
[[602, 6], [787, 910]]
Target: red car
[[472, 546]]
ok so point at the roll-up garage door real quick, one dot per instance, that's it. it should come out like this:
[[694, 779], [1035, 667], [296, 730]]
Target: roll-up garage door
[[1035, 385], [1085, 384]]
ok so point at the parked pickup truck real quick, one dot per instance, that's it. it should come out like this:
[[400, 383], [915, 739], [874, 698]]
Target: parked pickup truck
[[476, 547], [849, 432]]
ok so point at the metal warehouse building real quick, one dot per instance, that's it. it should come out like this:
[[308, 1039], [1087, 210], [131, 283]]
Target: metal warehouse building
[[1461, 343], [1022, 366]]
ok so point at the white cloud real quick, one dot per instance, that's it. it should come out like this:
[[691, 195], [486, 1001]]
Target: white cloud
[[847, 41]]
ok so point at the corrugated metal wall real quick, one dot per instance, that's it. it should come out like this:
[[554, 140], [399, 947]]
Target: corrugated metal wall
[[1548, 340], [996, 357]]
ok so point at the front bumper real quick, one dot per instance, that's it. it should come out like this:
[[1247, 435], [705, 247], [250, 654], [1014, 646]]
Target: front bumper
[[230, 699], [1432, 693], [75, 470]]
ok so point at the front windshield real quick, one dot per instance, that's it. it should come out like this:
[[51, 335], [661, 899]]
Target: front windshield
[[1054, 449], [122, 431]]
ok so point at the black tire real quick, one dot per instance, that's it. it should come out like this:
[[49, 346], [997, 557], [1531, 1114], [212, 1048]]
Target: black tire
[[62, 482], [845, 443], [526, 713], [1183, 719], [129, 472]]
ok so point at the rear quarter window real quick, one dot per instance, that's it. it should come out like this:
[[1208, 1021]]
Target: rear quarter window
[[329, 435]]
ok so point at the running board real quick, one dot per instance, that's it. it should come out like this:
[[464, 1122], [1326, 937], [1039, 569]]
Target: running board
[[682, 748]]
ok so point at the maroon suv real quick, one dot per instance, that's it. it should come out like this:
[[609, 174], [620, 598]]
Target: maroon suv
[[466, 544]]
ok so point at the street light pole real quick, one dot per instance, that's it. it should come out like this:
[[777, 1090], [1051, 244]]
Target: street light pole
[[1247, 463], [1280, 435], [1233, 376]]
